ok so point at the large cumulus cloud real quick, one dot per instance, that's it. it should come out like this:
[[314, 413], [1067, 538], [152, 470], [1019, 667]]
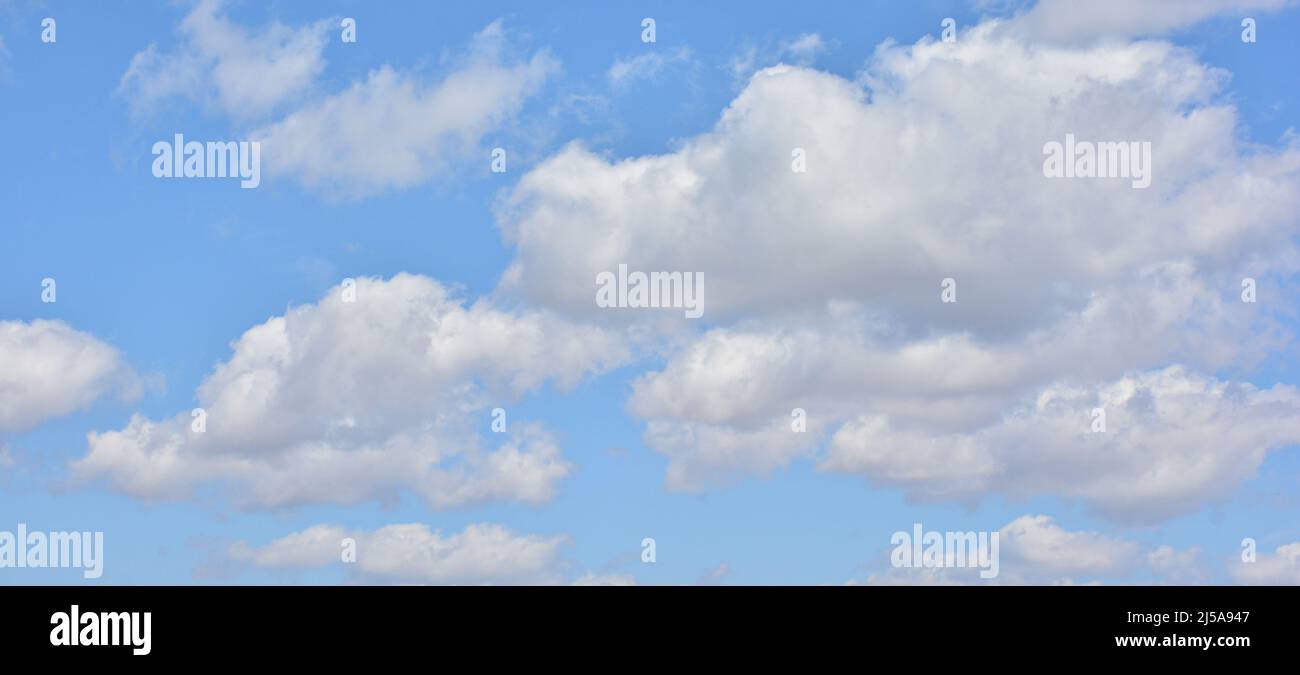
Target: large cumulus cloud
[[822, 288]]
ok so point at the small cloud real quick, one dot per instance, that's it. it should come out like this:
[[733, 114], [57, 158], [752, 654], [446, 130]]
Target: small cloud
[[413, 553], [396, 129], [1280, 568], [645, 66], [716, 576], [593, 579], [804, 49], [88, 370], [1177, 566], [801, 50], [244, 72]]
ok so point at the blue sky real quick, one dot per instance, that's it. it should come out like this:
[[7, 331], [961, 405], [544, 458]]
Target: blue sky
[[168, 273]]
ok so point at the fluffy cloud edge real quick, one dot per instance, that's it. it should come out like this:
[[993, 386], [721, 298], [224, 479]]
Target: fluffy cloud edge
[[372, 392]]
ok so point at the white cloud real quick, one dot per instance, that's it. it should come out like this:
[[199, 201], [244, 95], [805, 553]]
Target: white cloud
[[1034, 550], [48, 369], [918, 576], [1070, 21], [803, 49], [245, 73], [1282, 567], [1173, 440], [1179, 566], [394, 129], [644, 66], [415, 554], [950, 418], [593, 579], [391, 130], [923, 181], [342, 402], [822, 289], [716, 576], [1038, 545], [315, 546]]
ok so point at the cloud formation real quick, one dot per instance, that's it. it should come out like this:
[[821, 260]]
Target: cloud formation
[[342, 402], [1035, 550], [414, 554], [48, 369], [624, 71], [391, 130], [1066, 21], [1279, 568], [396, 129], [243, 72], [823, 288]]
